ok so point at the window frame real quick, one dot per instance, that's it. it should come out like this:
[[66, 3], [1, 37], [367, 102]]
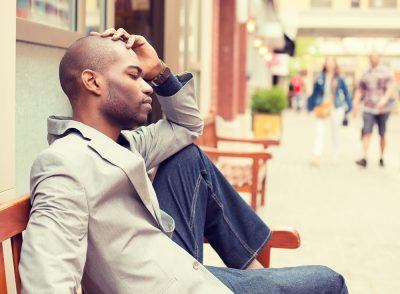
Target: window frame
[[37, 33]]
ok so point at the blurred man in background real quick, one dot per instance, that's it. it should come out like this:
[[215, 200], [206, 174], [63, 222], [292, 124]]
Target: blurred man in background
[[375, 90]]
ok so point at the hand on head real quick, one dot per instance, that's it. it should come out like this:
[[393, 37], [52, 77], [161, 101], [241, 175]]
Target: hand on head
[[146, 54]]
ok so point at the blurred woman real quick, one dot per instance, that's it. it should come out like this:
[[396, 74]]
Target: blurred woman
[[330, 92]]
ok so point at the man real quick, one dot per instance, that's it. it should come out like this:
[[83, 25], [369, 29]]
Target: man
[[97, 220], [376, 90]]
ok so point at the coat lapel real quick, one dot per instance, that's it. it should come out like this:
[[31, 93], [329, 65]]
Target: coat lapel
[[129, 161], [133, 166]]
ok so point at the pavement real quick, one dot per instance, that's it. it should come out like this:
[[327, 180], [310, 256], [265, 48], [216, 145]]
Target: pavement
[[348, 217]]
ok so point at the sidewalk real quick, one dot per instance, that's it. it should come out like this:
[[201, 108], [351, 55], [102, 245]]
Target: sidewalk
[[348, 218]]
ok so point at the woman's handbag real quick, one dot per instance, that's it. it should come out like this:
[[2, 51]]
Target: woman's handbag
[[324, 109]]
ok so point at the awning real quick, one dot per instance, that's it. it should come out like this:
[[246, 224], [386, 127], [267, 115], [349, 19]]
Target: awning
[[288, 48]]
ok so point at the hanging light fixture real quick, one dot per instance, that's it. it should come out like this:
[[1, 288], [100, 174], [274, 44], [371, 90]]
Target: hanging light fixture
[[263, 50], [251, 25], [268, 57], [258, 41]]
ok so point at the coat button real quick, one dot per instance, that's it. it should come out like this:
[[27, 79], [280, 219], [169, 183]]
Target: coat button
[[196, 265]]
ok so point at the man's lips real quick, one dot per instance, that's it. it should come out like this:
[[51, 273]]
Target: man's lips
[[147, 100]]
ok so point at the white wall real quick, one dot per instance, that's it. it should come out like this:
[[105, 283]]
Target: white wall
[[7, 87], [7, 121], [38, 95]]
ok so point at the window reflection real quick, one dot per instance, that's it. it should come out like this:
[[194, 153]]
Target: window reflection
[[55, 13], [95, 18], [383, 3], [134, 16]]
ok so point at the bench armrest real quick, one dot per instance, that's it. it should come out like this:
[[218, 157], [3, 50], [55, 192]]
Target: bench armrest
[[265, 142], [215, 152], [282, 237]]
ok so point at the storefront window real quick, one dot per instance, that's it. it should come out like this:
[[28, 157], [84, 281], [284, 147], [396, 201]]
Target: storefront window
[[383, 3], [355, 3], [55, 13], [321, 3], [134, 16], [95, 16], [190, 42]]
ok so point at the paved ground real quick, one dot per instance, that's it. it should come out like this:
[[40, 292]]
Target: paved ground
[[348, 218]]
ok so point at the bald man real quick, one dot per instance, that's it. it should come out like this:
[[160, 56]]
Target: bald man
[[96, 218]]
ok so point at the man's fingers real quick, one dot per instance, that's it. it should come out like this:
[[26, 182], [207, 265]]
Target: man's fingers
[[108, 32], [95, 34], [121, 33], [130, 42], [139, 41]]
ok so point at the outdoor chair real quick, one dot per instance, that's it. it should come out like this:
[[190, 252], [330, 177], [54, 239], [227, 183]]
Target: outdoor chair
[[245, 176], [14, 216]]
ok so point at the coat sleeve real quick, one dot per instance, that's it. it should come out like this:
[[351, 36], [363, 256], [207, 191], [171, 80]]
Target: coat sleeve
[[55, 242], [182, 126]]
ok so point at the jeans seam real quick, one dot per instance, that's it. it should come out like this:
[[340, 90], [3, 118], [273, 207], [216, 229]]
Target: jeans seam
[[257, 251], [196, 249], [249, 250], [194, 201]]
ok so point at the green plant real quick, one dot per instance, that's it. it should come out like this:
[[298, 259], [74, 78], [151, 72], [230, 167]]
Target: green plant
[[272, 100]]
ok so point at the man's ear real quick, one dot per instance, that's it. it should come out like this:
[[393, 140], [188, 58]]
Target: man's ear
[[91, 81]]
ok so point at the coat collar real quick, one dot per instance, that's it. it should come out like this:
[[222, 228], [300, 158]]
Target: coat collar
[[128, 160]]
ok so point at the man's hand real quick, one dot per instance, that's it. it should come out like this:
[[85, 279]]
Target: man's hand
[[382, 104], [146, 54]]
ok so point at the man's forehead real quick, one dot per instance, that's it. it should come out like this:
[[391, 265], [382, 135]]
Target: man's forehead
[[126, 54], [127, 58]]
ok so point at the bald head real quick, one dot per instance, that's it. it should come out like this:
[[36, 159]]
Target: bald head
[[94, 53], [374, 59]]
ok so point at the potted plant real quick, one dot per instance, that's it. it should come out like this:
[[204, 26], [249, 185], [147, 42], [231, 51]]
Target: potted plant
[[267, 106]]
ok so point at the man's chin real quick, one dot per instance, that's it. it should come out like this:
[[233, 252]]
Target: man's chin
[[135, 124]]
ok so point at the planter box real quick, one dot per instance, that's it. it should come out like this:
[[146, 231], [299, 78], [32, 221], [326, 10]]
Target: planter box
[[267, 126]]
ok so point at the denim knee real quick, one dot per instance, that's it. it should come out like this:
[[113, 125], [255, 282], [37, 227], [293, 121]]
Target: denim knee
[[334, 282], [189, 152]]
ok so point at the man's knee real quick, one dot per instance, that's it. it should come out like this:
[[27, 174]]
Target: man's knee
[[188, 154], [332, 281]]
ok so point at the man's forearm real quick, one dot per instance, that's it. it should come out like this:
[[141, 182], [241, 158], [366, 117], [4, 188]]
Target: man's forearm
[[388, 95], [170, 87]]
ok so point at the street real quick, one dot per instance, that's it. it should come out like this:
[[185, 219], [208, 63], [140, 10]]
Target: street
[[348, 218]]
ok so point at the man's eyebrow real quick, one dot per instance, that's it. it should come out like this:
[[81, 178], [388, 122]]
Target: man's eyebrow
[[138, 68]]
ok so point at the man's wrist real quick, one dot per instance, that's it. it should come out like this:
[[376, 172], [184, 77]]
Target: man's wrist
[[170, 87], [162, 77], [156, 70]]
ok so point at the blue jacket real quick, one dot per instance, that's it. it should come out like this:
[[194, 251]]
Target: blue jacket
[[318, 93]]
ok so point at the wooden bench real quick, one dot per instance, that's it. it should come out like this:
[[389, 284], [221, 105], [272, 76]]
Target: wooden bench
[[244, 177], [14, 216]]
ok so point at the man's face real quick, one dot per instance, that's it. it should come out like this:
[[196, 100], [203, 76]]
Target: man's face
[[374, 59], [126, 102]]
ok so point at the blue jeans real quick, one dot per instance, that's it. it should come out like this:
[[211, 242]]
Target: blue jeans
[[204, 205]]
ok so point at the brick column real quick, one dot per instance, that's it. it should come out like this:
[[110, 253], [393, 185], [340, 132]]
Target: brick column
[[241, 67], [223, 63]]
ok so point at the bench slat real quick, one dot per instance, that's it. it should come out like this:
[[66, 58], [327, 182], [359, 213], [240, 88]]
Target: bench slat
[[3, 282], [16, 244], [14, 216]]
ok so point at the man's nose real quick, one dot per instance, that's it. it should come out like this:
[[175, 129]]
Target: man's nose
[[146, 88]]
